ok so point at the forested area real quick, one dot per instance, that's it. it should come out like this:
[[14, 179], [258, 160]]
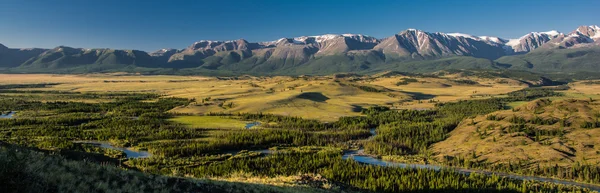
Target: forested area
[[141, 121], [411, 131], [372, 178], [22, 170]]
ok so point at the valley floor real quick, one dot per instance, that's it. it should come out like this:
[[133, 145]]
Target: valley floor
[[325, 97], [292, 134]]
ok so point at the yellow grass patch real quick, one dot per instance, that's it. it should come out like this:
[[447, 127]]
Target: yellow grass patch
[[324, 98], [491, 140], [211, 122]]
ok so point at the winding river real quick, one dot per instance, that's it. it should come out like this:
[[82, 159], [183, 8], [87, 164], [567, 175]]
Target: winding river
[[359, 156]]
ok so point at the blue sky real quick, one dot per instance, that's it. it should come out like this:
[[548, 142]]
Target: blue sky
[[153, 24]]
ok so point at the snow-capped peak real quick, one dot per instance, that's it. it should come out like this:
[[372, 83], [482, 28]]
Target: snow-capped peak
[[351, 35], [356, 36], [325, 37], [496, 40], [549, 34], [300, 39], [526, 43], [596, 31], [213, 42], [552, 33], [463, 35], [207, 41], [318, 39], [279, 40], [361, 38]]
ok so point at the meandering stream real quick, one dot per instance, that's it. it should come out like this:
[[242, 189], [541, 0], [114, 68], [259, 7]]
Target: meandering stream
[[8, 115], [359, 156]]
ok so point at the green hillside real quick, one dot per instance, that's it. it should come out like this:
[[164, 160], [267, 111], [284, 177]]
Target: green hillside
[[290, 61], [556, 60]]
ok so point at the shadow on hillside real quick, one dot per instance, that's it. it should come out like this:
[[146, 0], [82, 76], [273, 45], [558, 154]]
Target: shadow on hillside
[[419, 95], [313, 96], [357, 108]]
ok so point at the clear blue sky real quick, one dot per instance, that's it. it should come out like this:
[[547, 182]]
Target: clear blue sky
[[151, 24]]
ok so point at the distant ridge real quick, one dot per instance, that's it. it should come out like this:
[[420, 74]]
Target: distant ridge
[[409, 50]]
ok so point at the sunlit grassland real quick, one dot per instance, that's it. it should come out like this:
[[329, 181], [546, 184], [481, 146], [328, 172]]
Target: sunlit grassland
[[446, 90], [576, 92], [330, 97], [211, 122], [249, 178], [208, 140], [47, 97], [279, 95], [489, 141], [516, 104], [215, 124]]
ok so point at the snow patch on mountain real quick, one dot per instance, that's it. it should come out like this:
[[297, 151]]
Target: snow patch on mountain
[[496, 40], [463, 35], [213, 42], [551, 33], [318, 39], [575, 35], [513, 42], [326, 37]]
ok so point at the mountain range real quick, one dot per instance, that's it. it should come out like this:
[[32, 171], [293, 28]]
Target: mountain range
[[410, 50]]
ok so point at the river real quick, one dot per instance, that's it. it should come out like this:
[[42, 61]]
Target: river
[[8, 115], [130, 152], [359, 156], [252, 124]]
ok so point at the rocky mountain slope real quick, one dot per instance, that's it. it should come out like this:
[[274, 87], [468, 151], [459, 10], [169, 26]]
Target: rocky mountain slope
[[14, 57], [408, 50]]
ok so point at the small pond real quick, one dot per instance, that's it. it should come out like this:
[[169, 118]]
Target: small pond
[[252, 124]]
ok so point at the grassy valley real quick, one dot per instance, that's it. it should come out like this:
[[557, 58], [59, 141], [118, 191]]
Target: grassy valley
[[290, 97], [292, 134], [546, 133]]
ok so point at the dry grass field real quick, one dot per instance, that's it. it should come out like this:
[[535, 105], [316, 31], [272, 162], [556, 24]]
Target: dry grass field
[[448, 88], [325, 98], [210, 122], [582, 90], [496, 140]]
